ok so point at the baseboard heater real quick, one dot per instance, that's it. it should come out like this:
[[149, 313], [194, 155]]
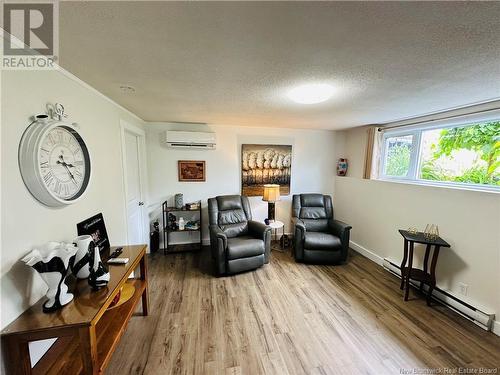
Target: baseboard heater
[[482, 319]]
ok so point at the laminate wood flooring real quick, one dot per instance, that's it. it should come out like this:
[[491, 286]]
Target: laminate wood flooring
[[292, 318]]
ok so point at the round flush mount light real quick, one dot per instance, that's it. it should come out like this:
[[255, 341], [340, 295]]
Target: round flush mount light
[[311, 93], [127, 89]]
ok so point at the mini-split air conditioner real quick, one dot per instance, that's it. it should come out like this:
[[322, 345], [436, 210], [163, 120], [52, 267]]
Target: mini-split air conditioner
[[189, 140]]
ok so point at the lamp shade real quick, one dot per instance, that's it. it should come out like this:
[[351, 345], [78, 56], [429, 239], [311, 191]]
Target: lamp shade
[[271, 193]]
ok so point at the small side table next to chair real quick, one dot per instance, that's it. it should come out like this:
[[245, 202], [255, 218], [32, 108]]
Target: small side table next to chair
[[275, 226], [425, 276]]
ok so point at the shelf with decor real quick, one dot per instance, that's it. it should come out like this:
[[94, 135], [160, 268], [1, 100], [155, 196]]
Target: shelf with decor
[[169, 226], [182, 230]]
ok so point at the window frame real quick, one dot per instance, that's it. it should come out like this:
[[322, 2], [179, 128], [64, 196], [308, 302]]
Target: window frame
[[413, 176], [414, 155]]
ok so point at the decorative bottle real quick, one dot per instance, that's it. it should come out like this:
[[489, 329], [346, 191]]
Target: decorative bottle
[[182, 224]]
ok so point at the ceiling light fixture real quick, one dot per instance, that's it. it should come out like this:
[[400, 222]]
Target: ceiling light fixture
[[311, 93]]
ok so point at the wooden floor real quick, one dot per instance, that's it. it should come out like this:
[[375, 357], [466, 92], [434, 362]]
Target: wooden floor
[[290, 318]]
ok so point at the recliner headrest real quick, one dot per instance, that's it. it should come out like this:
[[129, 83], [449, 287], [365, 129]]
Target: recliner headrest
[[312, 200], [229, 202]]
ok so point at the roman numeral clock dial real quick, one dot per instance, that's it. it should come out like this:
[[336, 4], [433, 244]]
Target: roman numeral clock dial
[[61, 172]]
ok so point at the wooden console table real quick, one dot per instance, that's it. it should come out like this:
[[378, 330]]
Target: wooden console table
[[424, 276], [87, 334]]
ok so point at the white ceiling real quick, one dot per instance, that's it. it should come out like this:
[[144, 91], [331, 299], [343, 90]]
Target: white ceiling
[[233, 62]]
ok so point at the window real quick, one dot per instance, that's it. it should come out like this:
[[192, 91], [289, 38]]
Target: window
[[461, 155], [398, 155]]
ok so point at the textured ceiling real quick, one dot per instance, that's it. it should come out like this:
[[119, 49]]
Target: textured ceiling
[[233, 62]]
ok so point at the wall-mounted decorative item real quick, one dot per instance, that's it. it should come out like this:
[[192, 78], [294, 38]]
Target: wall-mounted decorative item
[[178, 200], [191, 170], [95, 227], [80, 263], [52, 263], [99, 275], [265, 164], [54, 160], [342, 167]]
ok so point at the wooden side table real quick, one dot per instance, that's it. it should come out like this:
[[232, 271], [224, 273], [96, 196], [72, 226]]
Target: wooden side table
[[425, 276], [87, 332], [275, 226]]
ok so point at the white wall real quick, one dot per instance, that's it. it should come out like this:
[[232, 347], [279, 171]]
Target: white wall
[[468, 220], [313, 166], [25, 222]]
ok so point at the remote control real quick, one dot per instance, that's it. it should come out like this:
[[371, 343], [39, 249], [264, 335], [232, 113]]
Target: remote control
[[117, 252], [118, 261]]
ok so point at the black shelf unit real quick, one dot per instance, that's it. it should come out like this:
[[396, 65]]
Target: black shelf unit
[[166, 209]]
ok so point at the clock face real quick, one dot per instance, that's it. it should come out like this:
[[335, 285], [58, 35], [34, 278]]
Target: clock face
[[64, 163]]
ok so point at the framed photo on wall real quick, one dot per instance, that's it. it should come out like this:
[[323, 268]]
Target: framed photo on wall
[[265, 164], [191, 170]]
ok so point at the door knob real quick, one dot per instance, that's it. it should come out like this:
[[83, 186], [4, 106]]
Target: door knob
[[141, 203]]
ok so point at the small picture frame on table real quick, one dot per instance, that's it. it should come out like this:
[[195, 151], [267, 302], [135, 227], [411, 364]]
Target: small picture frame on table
[[95, 227], [191, 170]]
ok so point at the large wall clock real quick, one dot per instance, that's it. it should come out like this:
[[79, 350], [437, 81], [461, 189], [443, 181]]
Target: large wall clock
[[54, 161]]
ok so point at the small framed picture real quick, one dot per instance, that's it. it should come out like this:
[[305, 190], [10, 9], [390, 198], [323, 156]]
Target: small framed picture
[[191, 170], [95, 227]]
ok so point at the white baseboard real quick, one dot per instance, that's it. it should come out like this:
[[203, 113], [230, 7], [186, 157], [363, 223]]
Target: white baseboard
[[366, 253], [496, 327], [495, 324]]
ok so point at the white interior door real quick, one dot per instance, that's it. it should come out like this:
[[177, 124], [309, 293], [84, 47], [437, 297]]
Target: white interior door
[[134, 194]]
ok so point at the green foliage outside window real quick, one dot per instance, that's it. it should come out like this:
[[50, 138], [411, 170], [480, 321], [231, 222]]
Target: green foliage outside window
[[398, 160], [484, 139]]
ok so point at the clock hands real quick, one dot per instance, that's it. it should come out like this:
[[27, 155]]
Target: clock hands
[[67, 169], [66, 166]]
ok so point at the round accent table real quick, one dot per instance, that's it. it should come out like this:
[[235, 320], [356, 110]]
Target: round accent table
[[275, 226]]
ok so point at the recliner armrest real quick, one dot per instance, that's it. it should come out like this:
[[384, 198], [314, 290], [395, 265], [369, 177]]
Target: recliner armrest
[[342, 231], [263, 232], [338, 227], [218, 245], [299, 233], [258, 229], [218, 233], [299, 225]]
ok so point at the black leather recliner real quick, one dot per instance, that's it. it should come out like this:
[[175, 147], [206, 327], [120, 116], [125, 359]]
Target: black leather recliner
[[237, 242], [318, 237]]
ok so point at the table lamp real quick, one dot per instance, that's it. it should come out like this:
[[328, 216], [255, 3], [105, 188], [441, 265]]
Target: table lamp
[[271, 195]]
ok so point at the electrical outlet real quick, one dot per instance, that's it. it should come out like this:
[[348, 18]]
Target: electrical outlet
[[463, 288]]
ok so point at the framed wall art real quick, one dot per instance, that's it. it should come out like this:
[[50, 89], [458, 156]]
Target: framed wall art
[[265, 164], [191, 170]]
